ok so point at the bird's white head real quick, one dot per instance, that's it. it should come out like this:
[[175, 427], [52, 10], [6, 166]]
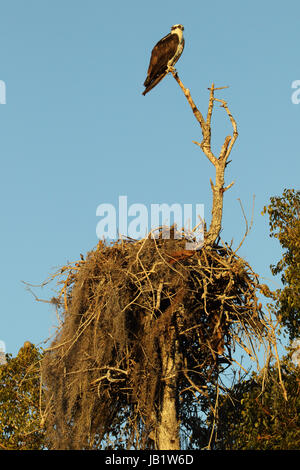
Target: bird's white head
[[177, 26], [177, 29]]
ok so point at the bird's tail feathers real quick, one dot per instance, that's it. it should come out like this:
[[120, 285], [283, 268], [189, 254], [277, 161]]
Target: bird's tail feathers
[[154, 82]]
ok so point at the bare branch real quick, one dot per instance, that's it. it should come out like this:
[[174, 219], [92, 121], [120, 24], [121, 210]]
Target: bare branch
[[186, 91], [219, 163], [234, 126], [209, 155], [248, 228]]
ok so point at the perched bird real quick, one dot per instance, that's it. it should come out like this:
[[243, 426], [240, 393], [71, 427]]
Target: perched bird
[[164, 56]]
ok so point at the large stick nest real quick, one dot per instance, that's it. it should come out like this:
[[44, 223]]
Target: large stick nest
[[103, 371]]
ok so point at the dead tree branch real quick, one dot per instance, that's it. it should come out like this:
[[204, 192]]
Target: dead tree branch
[[220, 162]]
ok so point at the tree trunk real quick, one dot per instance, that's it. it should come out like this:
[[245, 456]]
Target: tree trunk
[[167, 432]]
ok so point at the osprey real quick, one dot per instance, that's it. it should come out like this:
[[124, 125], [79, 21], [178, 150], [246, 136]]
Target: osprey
[[164, 56]]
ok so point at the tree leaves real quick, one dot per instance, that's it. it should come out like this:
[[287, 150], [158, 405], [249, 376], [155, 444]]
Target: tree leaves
[[19, 401], [284, 224]]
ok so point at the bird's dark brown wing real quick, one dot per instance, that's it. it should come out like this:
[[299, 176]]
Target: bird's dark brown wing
[[162, 52]]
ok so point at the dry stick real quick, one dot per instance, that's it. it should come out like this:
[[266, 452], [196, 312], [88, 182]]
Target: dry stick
[[145, 272], [278, 363], [4, 448], [215, 410], [195, 110], [248, 228], [219, 163]]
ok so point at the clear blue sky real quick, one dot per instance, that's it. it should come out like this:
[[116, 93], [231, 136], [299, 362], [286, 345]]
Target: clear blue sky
[[76, 131]]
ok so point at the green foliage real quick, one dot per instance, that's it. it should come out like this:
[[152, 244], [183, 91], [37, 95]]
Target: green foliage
[[20, 427], [255, 414], [285, 226]]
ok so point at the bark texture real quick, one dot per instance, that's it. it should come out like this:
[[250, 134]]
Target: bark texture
[[168, 423]]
